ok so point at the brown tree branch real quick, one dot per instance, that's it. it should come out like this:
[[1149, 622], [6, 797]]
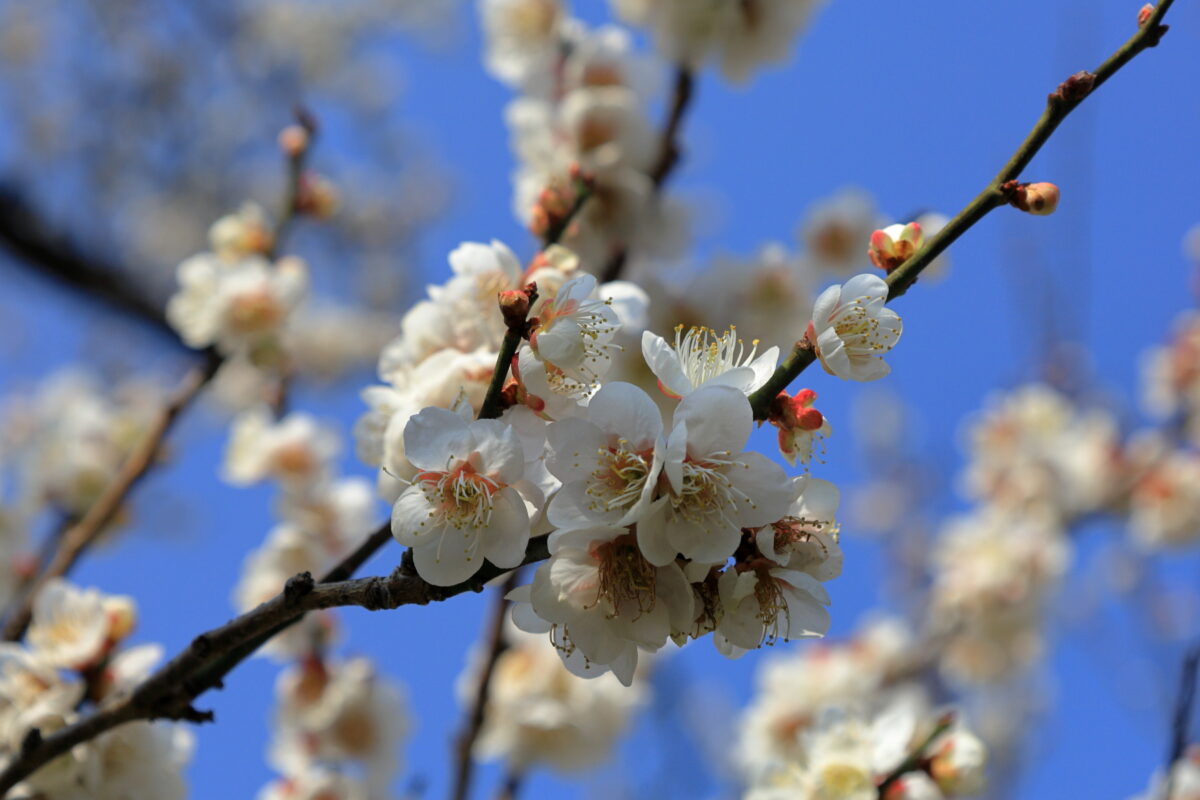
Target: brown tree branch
[[170, 692], [494, 645], [34, 242], [669, 153], [79, 537], [998, 192]]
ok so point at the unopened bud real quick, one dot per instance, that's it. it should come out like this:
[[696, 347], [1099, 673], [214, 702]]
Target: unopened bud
[[515, 305], [958, 763], [1036, 198], [914, 785], [122, 616], [293, 141], [894, 245], [1074, 88], [316, 196], [810, 419], [1145, 13]]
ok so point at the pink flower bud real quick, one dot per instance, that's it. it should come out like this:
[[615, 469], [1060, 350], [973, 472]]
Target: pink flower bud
[[810, 419], [316, 196], [894, 245], [293, 141], [515, 305], [1036, 198], [1144, 14]]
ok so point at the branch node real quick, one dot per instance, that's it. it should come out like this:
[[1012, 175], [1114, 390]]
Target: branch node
[[202, 644], [1072, 91], [31, 742], [192, 714], [297, 587]]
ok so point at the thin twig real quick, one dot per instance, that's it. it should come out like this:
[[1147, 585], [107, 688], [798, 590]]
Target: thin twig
[[494, 645], [1182, 717], [511, 786], [917, 756], [80, 536], [669, 152], [998, 192]]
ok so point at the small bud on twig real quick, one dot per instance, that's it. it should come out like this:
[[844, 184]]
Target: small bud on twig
[[1074, 88], [293, 141], [895, 244], [1035, 198], [316, 196], [1144, 14], [515, 305]]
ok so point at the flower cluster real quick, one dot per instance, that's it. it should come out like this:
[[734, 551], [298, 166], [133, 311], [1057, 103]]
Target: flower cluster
[[337, 729], [838, 720], [739, 35], [581, 108], [338, 725], [72, 660], [236, 297], [321, 516], [539, 714], [71, 436], [662, 525]]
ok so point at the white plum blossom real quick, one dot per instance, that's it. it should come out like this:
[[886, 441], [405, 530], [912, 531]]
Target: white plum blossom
[[141, 759], [333, 711], [1183, 780], [779, 595], [957, 762], [463, 506], [524, 38], [238, 306], [73, 628], [739, 35], [1164, 502], [702, 357], [538, 713], [609, 462], [1031, 448], [837, 231], [713, 488], [602, 601], [295, 450], [792, 689], [32, 694], [767, 603], [570, 348], [244, 233], [992, 574], [852, 328], [1171, 376], [315, 783]]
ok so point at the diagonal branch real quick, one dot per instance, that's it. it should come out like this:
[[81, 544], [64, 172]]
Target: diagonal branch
[[203, 665], [669, 153], [998, 192], [40, 246], [494, 646], [79, 537], [170, 692]]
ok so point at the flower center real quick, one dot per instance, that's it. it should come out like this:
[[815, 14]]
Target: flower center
[[254, 312], [707, 491], [619, 478], [859, 329], [703, 354], [462, 496], [625, 578]]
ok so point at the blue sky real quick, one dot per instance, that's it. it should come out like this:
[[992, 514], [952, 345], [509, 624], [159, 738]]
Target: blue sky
[[919, 102]]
